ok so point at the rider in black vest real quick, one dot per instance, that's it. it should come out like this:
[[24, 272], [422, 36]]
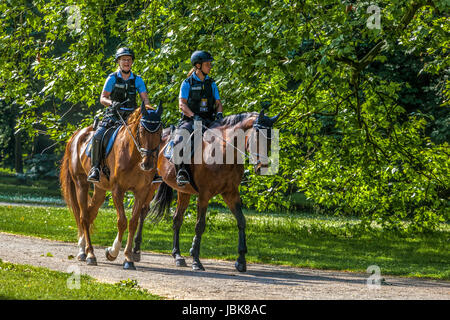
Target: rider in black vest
[[199, 100], [119, 96]]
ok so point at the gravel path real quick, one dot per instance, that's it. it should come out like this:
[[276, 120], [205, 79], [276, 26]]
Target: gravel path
[[157, 273]]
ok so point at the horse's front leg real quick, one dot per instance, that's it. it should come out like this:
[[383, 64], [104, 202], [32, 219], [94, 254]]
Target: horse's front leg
[[113, 252], [138, 237], [143, 215], [233, 202], [202, 206], [139, 199]]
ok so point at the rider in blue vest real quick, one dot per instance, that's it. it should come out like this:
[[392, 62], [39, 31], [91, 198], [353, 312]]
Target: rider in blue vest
[[199, 100], [119, 96]]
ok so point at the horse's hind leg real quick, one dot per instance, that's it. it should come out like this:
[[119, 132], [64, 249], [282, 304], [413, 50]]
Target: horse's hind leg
[[98, 198], [233, 201], [202, 206], [81, 256], [82, 191], [182, 204]]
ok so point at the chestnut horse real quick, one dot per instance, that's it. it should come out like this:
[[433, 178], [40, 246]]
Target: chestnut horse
[[212, 179], [132, 166]]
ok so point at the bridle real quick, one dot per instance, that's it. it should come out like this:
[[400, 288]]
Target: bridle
[[256, 155], [144, 123]]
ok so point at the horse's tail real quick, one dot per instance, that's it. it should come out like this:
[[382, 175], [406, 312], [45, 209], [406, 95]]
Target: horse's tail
[[161, 203], [68, 185]]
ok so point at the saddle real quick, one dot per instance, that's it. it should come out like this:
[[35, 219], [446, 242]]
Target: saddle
[[168, 153], [168, 149], [107, 143]]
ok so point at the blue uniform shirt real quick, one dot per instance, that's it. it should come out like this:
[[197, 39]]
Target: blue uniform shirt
[[185, 86], [111, 81]]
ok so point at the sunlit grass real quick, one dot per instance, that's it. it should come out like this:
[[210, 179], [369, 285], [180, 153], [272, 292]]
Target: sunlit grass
[[24, 282]]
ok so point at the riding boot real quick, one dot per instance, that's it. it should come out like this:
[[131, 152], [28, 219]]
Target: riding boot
[[94, 173], [182, 174]]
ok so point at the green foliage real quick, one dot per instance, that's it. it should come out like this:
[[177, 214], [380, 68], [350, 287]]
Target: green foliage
[[365, 118]]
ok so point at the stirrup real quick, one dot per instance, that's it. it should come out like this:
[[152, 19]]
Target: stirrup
[[157, 178], [94, 175], [182, 177]]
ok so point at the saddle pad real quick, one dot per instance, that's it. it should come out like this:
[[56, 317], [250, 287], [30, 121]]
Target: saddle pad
[[168, 150], [109, 145]]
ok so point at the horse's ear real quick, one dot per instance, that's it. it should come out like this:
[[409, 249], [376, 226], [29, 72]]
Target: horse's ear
[[159, 110], [261, 115], [143, 109], [275, 118]]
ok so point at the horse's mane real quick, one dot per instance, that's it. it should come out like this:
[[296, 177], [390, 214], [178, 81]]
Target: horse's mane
[[233, 119]]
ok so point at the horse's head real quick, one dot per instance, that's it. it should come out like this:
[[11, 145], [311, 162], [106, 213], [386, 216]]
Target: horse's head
[[260, 149], [150, 130]]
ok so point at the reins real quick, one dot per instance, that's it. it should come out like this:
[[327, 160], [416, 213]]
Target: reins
[[142, 151], [240, 151]]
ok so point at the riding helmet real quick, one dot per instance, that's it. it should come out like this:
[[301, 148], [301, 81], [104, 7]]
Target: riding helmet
[[200, 57], [124, 52]]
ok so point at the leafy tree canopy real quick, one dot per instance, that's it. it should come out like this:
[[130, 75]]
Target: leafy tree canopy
[[363, 89]]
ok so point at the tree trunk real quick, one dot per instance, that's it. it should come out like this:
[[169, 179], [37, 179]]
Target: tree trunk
[[18, 161]]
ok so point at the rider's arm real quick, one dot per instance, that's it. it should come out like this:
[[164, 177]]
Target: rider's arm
[[182, 99], [144, 97], [184, 108], [104, 99], [218, 105], [141, 88], [107, 89]]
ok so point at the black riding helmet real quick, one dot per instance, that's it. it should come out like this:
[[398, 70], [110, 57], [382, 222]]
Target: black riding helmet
[[124, 52], [200, 57]]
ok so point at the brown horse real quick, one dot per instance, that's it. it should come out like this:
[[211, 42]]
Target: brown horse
[[212, 179], [132, 165]]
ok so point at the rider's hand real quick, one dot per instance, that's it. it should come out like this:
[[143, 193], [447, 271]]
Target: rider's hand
[[196, 117], [115, 106], [219, 116]]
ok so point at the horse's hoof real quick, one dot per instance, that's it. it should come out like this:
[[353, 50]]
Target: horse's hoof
[[180, 262], [241, 267], [129, 265], [91, 261], [82, 257], [109, 256], [197, 266], [137, 256]]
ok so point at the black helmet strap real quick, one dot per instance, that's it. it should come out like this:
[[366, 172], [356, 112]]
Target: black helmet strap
[[201, 65]]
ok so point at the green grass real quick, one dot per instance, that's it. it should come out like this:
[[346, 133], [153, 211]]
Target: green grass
[[26, 282], [298, 240]]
